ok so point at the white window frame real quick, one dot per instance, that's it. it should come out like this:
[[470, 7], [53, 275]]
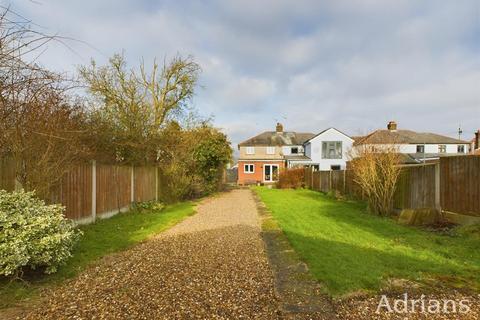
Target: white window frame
[[270, 150], [298, 150], [248, 171], [250, 150], [271, 172], [442, 146], [461, 146]]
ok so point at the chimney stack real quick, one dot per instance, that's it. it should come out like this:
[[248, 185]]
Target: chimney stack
[[392, 126], [476, 143], [279, 127]]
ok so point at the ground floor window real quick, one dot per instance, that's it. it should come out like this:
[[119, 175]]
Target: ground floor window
[[461, 148], [249, 168], [270, 172]]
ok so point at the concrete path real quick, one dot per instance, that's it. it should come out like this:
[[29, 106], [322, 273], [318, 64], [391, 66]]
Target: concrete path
[[211, 266]]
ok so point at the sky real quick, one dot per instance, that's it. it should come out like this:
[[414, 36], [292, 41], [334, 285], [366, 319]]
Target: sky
[[352, 65]]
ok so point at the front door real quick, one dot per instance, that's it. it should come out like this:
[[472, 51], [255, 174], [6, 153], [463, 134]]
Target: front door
[[270, 172]]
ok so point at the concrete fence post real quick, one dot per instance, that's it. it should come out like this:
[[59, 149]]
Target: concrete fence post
[[156, 183], [438, 205], [132, 185], [94, 190]]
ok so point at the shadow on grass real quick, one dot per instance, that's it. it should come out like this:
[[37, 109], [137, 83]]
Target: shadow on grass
[[345, 268], [353, 215], [349, 249]]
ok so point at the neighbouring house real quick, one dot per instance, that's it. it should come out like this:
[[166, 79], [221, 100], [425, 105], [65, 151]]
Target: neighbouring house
[[263, 157], [475, 148], [415, 147], [328, 150]]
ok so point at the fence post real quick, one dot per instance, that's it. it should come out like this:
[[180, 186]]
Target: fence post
[[311, 178], [319, 180], [345, 182], [94, 190], [132, 185], [330, 181], [156, 183], [438, 205]]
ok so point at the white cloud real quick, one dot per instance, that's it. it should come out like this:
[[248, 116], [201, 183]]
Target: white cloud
[[310, 64]]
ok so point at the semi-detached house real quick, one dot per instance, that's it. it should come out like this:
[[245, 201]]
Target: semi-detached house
[[265, 156]]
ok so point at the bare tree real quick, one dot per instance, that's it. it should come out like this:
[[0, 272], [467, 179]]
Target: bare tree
[[376, 171], [40, 127], [135, 105]]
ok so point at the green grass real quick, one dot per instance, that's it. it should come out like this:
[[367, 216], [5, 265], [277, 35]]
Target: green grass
[[348, 249], [99, 239]]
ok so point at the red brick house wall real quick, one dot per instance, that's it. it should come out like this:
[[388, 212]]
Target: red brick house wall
[[257, 175]]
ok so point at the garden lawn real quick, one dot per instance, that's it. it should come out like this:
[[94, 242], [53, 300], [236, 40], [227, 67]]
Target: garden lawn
[[348, 249], [99, 239]]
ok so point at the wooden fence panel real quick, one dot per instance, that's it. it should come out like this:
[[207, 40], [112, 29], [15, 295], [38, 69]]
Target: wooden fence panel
[[74, 191], [352, 189], [113, 188], [144, 185], [316, 181], [308, 178], [415, 188], [338, 182], [325, 181], [7, 174], [460, 184]]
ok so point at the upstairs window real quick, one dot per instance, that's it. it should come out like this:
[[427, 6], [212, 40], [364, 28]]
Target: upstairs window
[[461, 148], [294, 150], [270, 150], [442, 148], [332, 149], [249, 168], [420, 148], [250, 150]]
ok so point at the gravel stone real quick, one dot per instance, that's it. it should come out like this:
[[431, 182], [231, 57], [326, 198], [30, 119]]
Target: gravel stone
[[213, 265], [210, 266]]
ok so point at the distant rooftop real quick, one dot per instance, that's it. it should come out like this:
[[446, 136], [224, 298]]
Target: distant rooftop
[[278, 138], [394, 136]]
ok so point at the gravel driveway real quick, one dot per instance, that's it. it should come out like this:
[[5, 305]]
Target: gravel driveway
[[210, 266]]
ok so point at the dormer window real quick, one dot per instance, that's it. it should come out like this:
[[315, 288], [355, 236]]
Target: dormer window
[[420, 148], [294, 150], [442, 148], [461, 148]]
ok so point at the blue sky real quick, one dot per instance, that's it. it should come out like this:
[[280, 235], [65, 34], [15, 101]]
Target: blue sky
[[353, 65]]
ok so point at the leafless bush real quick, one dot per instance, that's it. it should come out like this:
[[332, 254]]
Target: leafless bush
[[376, 172]]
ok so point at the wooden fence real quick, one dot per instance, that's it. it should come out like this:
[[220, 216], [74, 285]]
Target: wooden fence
[[460, 185], [452, 185], [93, 190]]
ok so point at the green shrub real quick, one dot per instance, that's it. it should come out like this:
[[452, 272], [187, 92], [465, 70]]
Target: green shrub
[[33, 234], [148, 205]]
